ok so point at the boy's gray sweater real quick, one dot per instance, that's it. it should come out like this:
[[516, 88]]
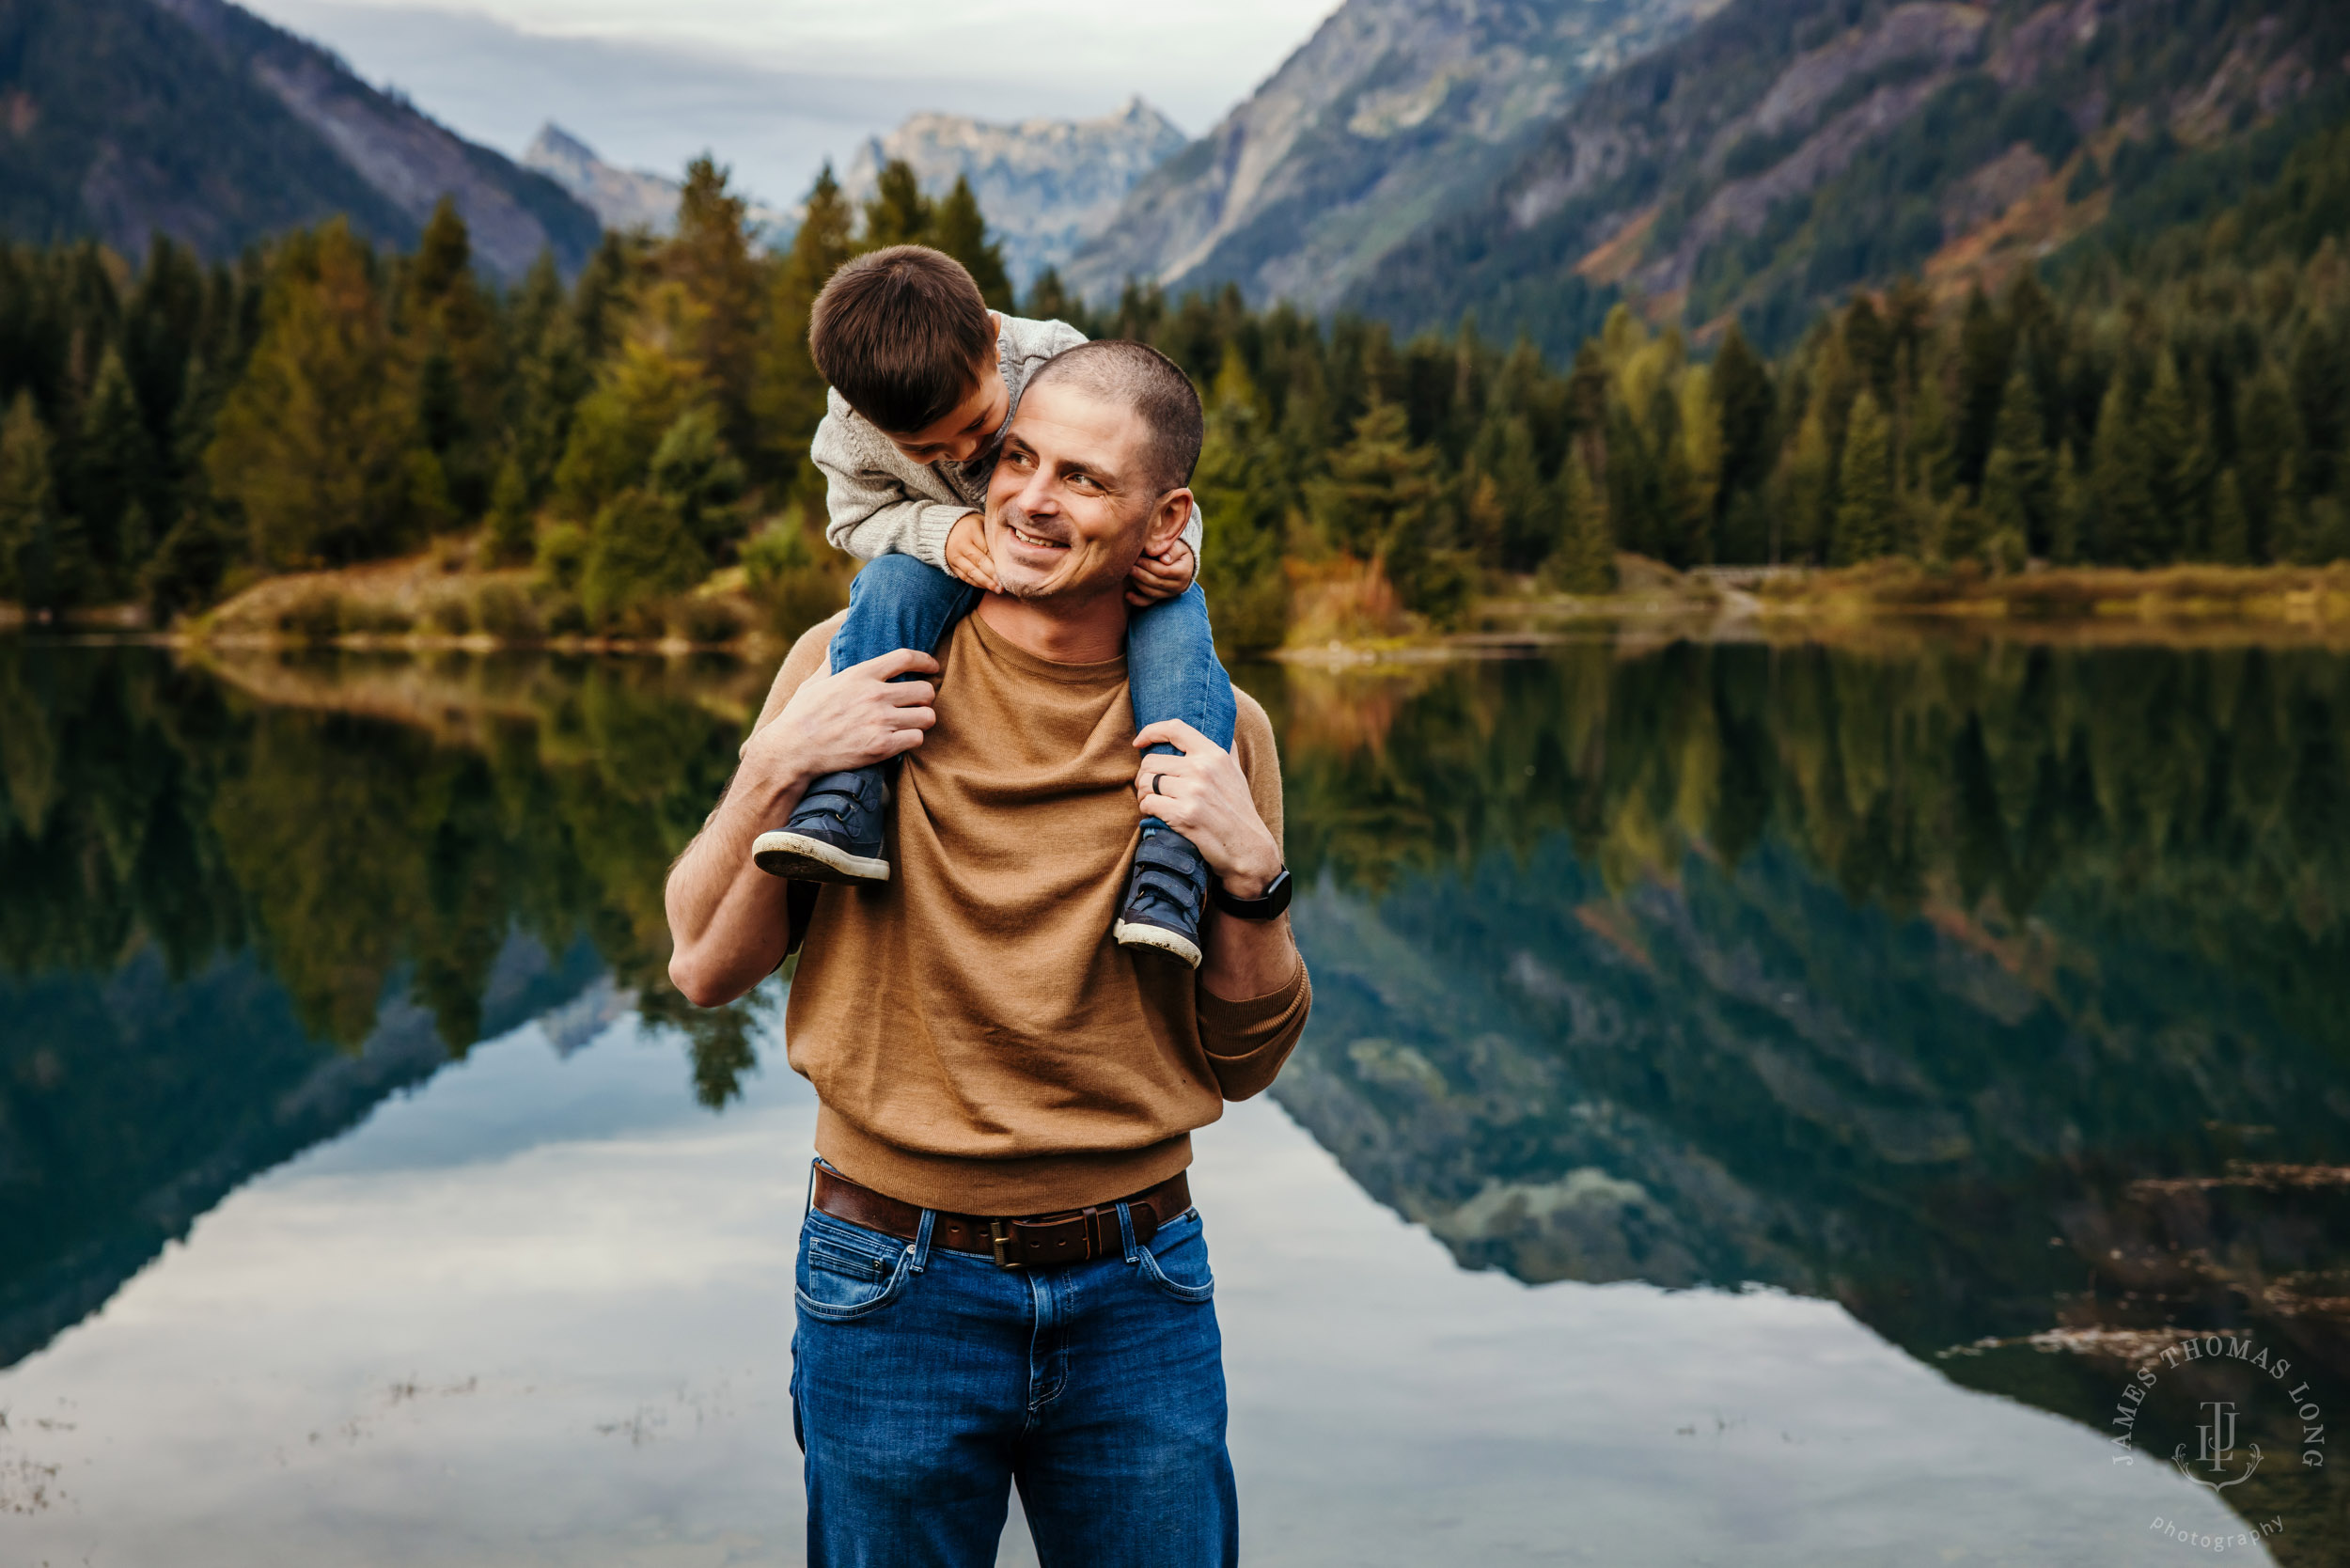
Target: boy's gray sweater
[[880, 503]]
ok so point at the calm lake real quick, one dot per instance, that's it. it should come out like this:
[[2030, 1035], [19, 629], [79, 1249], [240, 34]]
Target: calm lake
[[1763, 1105]]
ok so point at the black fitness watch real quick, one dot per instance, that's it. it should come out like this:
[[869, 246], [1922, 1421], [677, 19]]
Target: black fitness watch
[[1266, 906]]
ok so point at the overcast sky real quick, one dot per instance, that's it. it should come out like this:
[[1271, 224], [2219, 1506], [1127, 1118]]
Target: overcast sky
[[774, 86]]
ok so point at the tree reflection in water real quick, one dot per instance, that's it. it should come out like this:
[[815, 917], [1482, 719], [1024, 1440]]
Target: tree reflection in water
[[1994, 992]]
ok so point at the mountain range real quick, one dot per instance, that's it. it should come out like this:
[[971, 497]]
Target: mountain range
[[631, 199], [1393, 112], [1046, 185], [1419, 161], [120, 118]]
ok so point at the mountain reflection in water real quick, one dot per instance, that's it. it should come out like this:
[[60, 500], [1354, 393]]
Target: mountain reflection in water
[[1999, 996]]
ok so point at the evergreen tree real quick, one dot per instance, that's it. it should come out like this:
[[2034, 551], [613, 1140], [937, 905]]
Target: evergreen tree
[[958, 229], [694, 472], [2268, 448], [31, 528], [789, 396], [121, 480], [2070, 520], [1049, 299], [2321, 400], [639, 550], [1864, 513], [898, 213], [2128, 531], [1983, 352], [452, 334], [1743, 399], [2230, 534], [507, 537], [1239, 489], [2174, 488], [709, 258], [2018, 498], [640, 393], [313, 443], [1585, 561], [1808, 487]]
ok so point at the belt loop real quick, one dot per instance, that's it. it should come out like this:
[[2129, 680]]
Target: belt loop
[[808, 1208], [1126, 1233], [922, 1239]]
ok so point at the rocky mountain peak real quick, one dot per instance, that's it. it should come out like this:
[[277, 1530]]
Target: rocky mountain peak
[[1046, 185]]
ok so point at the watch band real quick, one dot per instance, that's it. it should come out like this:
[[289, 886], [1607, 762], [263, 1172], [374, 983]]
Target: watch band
[[1266, 906]]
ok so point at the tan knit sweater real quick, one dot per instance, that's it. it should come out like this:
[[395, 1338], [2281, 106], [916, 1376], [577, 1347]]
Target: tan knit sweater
[[976, 1041]]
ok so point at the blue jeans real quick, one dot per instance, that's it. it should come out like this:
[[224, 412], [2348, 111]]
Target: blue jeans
[[1172, 668], [925, 1382]]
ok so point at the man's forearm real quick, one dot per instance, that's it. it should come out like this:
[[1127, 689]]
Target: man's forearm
[[1247, 959], [729, 920]]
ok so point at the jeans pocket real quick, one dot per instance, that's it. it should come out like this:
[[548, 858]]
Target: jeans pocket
[[1176, 1262], [847, 1272]]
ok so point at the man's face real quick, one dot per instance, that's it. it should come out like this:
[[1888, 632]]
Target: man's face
[[965, 430], [1070, 504]]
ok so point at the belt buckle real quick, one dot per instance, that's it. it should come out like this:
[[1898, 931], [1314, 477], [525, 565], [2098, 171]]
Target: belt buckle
[[1000, 1233]]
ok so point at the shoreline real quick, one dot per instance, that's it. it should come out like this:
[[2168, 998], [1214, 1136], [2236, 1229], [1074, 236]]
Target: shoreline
[[1884, 603]]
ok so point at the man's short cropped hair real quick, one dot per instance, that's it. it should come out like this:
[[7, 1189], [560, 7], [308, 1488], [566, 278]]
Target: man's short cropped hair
[[1146, 380], [903, 334]]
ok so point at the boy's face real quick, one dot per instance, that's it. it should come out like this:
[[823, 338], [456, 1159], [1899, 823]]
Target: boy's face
[[966, 429], [1070, 507]]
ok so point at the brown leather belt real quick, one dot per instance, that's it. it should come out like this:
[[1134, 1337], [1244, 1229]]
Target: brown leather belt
[[1041, 1240]]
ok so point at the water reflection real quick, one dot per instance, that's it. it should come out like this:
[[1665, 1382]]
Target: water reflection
[[1988, 994]]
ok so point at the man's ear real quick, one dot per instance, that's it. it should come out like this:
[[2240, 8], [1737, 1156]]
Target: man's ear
[[1166, 521]]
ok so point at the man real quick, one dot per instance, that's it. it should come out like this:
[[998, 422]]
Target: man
[[1002, 1276]]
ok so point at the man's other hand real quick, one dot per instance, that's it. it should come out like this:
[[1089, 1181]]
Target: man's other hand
[[852, 720], [1204, 796], [966, 553], [1160, 574]]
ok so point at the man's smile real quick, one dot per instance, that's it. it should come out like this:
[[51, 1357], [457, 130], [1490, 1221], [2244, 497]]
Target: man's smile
[[1034, 542]]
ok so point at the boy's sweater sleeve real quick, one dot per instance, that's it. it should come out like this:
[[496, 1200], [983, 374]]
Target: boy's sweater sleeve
[[868, 513]]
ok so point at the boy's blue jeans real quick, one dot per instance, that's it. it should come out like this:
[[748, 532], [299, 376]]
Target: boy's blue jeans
[[1172, 668], [924, 1381]]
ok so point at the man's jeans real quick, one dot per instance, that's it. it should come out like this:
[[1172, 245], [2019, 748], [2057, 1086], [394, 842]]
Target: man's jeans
[[925, 1381], [1172, 668]]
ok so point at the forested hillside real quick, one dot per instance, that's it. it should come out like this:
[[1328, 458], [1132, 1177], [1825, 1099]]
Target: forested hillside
[[1789, 150], [173, 435], [195, 119], [2169, 394]]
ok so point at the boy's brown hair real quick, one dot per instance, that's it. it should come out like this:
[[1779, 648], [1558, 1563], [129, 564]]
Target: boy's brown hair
[[902, 335]]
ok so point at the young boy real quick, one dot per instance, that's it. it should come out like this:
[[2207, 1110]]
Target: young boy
[[924, 380]]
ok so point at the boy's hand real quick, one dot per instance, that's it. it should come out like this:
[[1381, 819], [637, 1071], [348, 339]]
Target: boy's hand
[[1161, 575], [966, 553]]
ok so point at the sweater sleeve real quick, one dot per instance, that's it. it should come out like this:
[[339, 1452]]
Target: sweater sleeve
[[1247, 1040], [867, 513]]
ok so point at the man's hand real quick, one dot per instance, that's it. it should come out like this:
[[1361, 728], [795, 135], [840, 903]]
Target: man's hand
[[860, 716], [729, 921], [1160, 574], [1204, 796], [966, 553]]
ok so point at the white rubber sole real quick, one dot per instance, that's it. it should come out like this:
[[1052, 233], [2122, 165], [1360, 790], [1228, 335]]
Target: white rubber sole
[[805, 859], [1159, 937]]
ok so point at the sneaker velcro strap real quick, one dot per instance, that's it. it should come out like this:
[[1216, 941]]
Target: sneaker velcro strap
[[839, 795], [1171, 851], [1182, 893]]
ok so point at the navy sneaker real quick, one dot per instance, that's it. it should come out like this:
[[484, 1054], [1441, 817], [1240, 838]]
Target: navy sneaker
[[1166, 894], [834, 834]]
